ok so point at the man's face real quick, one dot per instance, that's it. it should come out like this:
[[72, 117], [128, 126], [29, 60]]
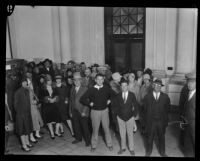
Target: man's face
[[99, 80], [47, 64], [49, 82], [157, 87], [87, 72], [131, 77], [58, 81], [191, 84], [77, 82], [146, 81], [139, 74], [25, 84], [124, 87]]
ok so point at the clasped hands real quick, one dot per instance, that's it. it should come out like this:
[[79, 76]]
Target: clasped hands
[[92, 104]]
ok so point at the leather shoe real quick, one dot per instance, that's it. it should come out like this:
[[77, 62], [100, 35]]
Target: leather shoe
[[121, 151], [59, 135], [147, 154], [30, 146], [163, 155], [52, 137], [25, 149], [38, 137], [93, 149], [87, 144], [110, 148], [33, 141], [132, 153], [75, 141]]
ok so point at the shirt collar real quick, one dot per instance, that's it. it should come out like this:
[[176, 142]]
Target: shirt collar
[[97, 86]]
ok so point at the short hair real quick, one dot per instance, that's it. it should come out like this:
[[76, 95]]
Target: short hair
[[99, 75], [123, 80]]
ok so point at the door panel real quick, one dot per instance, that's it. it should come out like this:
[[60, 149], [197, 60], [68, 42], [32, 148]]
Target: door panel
[[119, 51], [136, 56]]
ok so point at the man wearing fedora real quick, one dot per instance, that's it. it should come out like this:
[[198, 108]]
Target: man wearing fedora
[[79, 112], [189, 109], [156, 108]]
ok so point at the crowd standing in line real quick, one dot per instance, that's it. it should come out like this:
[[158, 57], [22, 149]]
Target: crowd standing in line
[[85, 97]]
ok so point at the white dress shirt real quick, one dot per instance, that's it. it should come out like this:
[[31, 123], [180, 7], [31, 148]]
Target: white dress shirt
[[125, 95], [191, 93], [98, 87], [156, 95]]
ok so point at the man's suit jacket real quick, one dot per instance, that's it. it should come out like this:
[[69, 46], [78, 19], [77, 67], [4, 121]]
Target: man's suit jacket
[[128, 109], [164, 106], [190, 108], [75, 100]]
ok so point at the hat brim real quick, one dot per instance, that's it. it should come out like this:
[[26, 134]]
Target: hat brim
[[158, 83]]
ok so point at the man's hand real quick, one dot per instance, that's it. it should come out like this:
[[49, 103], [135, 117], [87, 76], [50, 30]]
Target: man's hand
[[134, 126], [70, 114], [91, 104], [108, 102], [83, 114], [34, 102], [6, 127]]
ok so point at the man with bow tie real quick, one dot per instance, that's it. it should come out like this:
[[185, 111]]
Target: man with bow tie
[[97, 98], [126, 111], [156, 109]]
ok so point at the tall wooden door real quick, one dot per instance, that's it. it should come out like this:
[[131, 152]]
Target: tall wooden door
[[124, 38]]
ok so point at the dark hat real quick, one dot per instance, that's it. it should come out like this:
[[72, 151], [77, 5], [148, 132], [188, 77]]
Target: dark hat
[[46, 60], [123, 80], [158, 81], [191, 76], [23, 79], [58, 77], [48, 77]]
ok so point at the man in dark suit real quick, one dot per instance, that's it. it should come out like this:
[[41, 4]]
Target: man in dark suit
[[183, 98], [78, 111], [48, 69], [189, 109], [126, 111], [156, 108]]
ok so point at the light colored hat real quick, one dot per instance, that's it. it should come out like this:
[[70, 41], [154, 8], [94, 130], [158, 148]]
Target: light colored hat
[[58, 77], [77, 75], [158, 81], [102, 68], [116, 76], [146, 76], [131, 74], [191, 76]]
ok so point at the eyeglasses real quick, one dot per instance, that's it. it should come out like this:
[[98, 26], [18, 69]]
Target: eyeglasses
[[157, 84]]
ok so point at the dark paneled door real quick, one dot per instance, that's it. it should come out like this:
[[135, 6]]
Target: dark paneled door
[[124, 38]]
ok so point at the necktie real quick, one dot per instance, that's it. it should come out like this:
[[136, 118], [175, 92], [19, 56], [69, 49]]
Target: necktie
[[124, 97]]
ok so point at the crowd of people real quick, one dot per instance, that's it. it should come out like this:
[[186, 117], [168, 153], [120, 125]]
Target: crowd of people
[[45, 95]]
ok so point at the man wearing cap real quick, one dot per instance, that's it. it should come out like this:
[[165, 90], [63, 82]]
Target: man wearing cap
[[78, 111], [97, 98], [190, 108], [115, 86], [156, 108], [144, 90]]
